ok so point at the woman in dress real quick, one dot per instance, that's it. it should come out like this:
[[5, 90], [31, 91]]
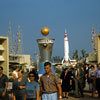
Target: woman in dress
[[32, 88], [66, 81]]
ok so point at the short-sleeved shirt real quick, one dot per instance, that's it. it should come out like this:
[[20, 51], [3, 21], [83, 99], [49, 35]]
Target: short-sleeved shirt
[[91, 73], [16, 73], [31, 89], [18, 92], [3, 80], [49, 83], [97, 73]]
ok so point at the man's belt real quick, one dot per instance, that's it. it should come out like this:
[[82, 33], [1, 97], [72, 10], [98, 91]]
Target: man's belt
[[49, 92]]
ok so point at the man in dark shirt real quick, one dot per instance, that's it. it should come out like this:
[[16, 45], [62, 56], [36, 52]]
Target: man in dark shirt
[[50, 84], [3, 85]]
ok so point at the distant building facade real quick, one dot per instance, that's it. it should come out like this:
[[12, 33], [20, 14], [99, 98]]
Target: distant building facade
[[98, 49], [4, 54], [20, 59]]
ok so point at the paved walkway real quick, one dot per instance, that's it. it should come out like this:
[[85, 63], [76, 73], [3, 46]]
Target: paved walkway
[[87, 96]]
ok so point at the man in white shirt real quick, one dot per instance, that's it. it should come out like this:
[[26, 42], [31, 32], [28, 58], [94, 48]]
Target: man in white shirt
[[15, 72]]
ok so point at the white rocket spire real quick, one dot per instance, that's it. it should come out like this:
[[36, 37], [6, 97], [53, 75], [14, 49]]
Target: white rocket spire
[[66, 49]]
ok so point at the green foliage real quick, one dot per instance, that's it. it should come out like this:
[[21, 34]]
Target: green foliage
[[58, 71], [83, 52], [75, 55]]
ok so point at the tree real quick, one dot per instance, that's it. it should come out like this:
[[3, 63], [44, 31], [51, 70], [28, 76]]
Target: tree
[[75, 55], [83, 52]]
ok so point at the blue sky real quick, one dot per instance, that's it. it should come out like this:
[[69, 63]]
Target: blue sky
[[77, 16]]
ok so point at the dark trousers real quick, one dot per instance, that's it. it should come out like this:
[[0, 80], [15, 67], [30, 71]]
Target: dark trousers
[[19, 97], [78, 88], [6, 97], [98, 85]]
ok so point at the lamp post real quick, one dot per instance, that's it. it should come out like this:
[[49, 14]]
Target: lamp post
[[37, 61]]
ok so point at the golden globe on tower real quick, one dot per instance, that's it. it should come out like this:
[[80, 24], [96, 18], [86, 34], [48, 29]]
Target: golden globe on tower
[[45, 31]]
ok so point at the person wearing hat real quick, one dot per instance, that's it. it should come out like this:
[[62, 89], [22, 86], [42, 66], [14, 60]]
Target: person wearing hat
[[3, 85]]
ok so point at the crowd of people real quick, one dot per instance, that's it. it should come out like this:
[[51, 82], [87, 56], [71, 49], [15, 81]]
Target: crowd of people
[[50, 86], [28, 88], [74, 80]]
